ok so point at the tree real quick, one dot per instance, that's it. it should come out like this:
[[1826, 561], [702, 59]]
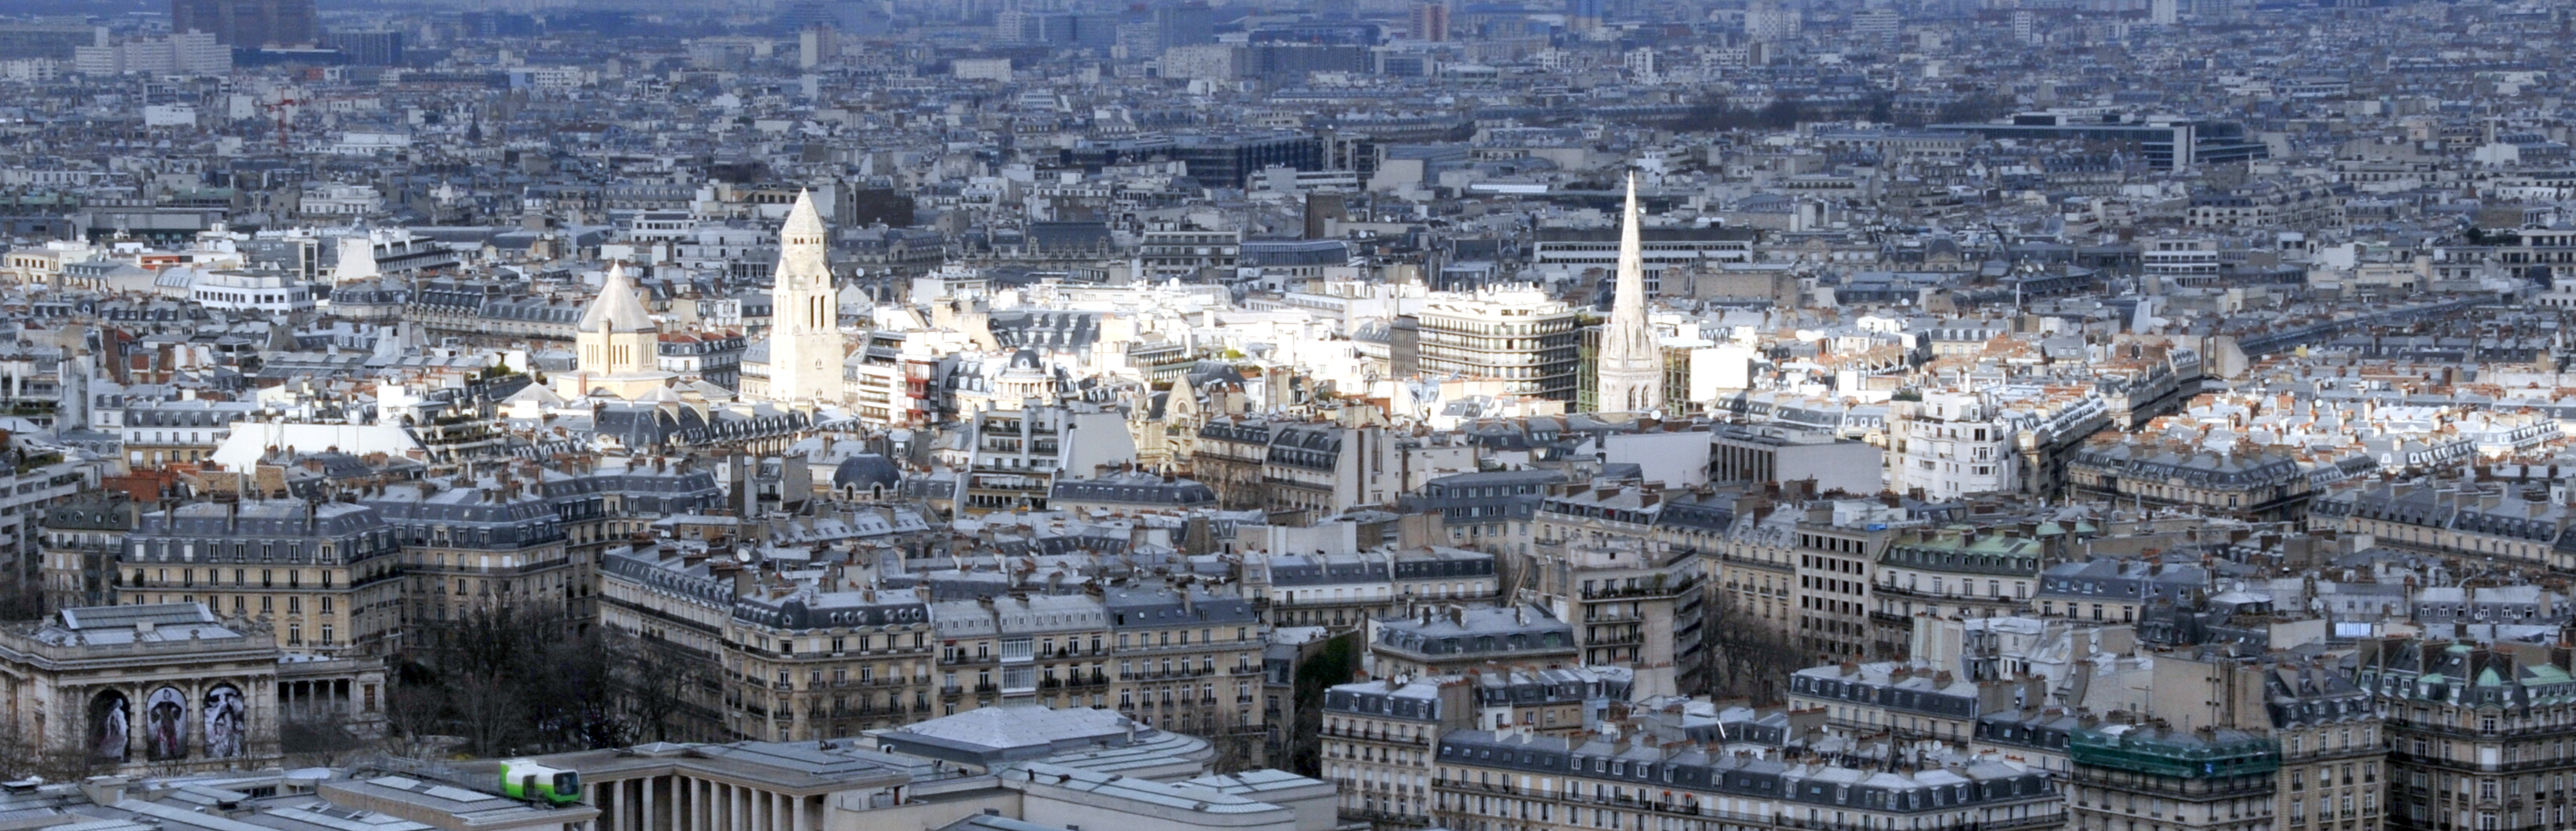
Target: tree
[[657, 682], [1332, 664], [1782, 114], [23, 601], [1746, 656], [323, 739], [1973, 109]]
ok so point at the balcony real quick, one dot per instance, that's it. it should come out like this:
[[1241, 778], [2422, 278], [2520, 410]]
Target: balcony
[[1367, 736]]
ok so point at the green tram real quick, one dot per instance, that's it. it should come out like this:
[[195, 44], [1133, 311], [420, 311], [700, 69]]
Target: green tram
[[525, 779]]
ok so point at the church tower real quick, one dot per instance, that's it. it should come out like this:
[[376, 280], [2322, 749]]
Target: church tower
[[805, 345], [616, 335], [1630, 365], [614, 343]]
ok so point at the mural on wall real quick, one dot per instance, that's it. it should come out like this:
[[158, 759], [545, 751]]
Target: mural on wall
[[224, 716], [110, 725], [165, 724]]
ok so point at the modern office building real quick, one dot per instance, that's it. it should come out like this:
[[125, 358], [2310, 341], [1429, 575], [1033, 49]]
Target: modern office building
[[248, 23], [1516, 335]]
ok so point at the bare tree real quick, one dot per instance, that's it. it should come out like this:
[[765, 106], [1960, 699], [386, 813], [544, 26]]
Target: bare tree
[[1747, 657], [659, 683], [323, 739]]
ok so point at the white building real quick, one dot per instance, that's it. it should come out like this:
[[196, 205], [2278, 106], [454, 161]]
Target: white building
[[185, 53], [1950, 444], [276, 292]]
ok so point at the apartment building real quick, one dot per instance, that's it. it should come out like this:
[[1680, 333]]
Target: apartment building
[[1453, 639], [80, 542], [755, 657], [1950, 444], [2114, 590], [603, 505], [2325, 728], [1189, 659], [1597, 561], [1754, 569], [2011, 439], [2203, 779], [29, 490], [2477, 736], [1378, 735], [1487, 510], [158, 432], [1960, 572], [1322, 466], [2459, 519], [1486, 781], [1011, 457], [1346, 590], [475, 546], [1836, 546], [1377, 744], [2257, 484], [325, 576], [1905, 702], [1023, 648], [1188, 253]]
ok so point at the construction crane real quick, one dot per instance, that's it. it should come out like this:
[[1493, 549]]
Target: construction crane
[[279, 107]]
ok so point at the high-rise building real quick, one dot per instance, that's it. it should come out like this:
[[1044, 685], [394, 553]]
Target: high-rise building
[[48, 40], [1631, 366], [1431, 22], [805, 333], [1186, 24], [370, 48], [250, 23], [1582, 15]]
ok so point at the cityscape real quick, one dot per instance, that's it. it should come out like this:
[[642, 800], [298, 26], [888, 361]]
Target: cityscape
[[1338, 415]]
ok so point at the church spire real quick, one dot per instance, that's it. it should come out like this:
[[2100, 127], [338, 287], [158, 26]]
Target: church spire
[[805, 344], [1629, 372], [804, 223]]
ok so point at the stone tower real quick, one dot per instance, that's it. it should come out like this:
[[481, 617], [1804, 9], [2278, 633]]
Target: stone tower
[[805, 350], [1629, 369], [614, 343], [616, 335]]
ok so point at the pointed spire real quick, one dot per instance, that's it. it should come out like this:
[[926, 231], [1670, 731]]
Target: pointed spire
[[804, 222], [1629, 373], [617, 308], [1632, 256]]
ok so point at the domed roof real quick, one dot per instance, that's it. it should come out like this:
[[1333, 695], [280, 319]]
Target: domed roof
[[865, 469]]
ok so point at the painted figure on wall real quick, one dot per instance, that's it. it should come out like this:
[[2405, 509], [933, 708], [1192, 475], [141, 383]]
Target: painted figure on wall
[[224, 716], [111, 723], [165, 722]]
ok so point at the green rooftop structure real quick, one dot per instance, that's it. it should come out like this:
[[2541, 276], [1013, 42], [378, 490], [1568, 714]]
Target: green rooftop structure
[[2209, 779], [2218, 753]]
